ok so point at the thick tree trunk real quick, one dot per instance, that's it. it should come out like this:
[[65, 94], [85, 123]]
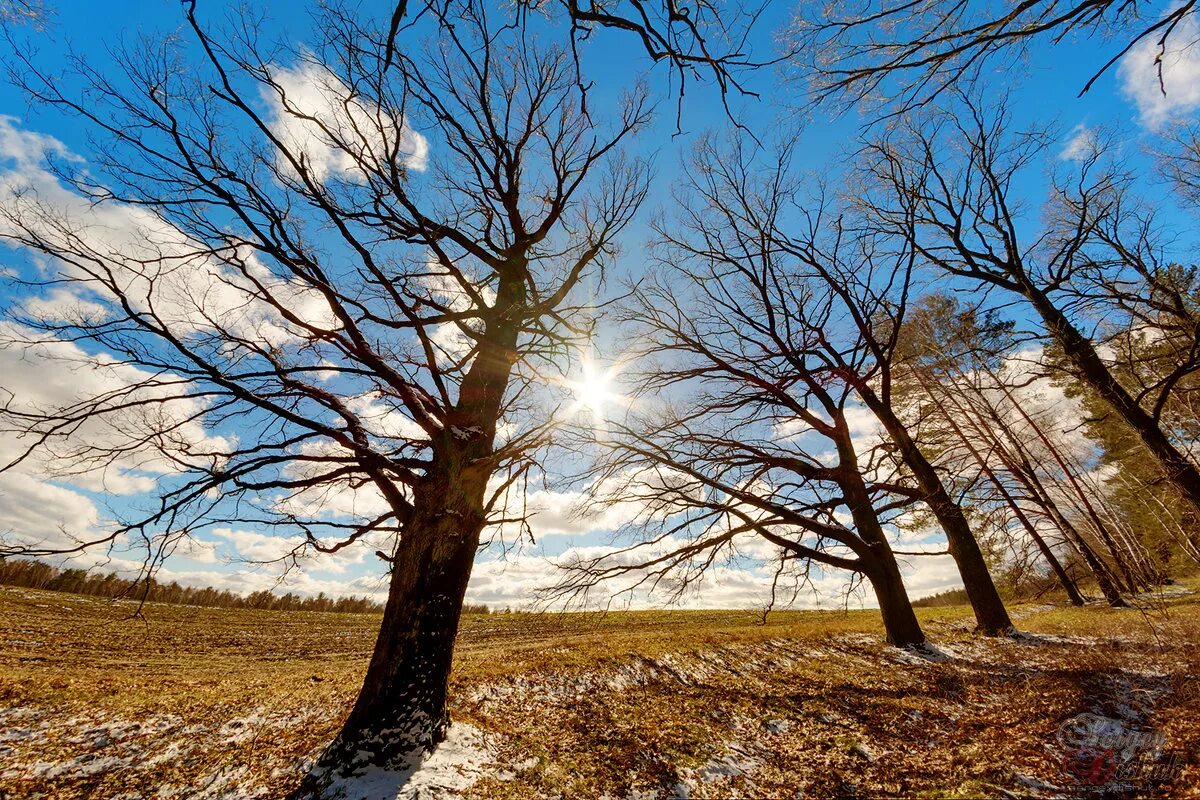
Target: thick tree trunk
[[991, 617], [900, 623], [401, 710], [1092, 370]]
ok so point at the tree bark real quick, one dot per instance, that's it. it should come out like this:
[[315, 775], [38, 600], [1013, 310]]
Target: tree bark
[[991, 617], [879, 561], [900, 622], [401, 709], [1092, 370]]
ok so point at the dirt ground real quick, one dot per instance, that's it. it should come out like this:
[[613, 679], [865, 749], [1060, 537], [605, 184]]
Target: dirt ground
[[206, 703]]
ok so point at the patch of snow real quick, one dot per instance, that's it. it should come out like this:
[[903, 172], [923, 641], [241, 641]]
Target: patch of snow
[[921, 654], [734, 762], [453, 767], [81, 767]]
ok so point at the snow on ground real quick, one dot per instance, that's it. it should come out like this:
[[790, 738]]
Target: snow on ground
[[735, 761], [454, 766], [104, 743], [685, 669]]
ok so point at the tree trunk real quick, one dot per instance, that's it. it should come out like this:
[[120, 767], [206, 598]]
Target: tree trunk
[[1092, 370], [1047, 552], [1018, 465], [900, 623], [1099, 570], [401, 710], [991, 617]]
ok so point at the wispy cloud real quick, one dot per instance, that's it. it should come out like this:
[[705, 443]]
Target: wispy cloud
[[1178, 92]]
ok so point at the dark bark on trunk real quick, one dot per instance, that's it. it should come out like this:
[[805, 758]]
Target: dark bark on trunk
[[402, 705], [401, 708], [1179, 470], [991, 617], [900, 623]]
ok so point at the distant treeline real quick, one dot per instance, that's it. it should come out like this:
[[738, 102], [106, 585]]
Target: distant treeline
[[38, 575]]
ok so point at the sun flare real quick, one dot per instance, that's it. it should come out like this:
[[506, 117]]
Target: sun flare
[[594, 390]]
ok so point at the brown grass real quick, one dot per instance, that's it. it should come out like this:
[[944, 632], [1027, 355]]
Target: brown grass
[[232, 703]]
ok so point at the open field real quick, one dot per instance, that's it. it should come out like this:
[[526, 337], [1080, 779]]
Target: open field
[[193, 702]]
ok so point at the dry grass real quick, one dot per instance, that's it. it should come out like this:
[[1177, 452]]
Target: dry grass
[[219, 703]]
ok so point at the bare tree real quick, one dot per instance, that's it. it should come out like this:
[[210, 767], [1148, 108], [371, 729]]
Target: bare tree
[[961, 215], [697, 39], [844, 305], [913, 52], [1179, 161], [357, 278], [756, 453]]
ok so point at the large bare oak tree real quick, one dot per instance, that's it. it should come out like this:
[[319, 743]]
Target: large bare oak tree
[[356, 266]]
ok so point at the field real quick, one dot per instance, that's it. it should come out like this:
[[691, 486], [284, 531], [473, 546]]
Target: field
[[193, 702]]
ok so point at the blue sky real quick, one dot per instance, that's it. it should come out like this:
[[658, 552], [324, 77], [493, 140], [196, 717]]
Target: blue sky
[[1044, 91]]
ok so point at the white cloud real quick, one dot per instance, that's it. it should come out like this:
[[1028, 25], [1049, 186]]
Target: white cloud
[[193, 548], [320, 118], [151, 262], [35, 510], [1080, 144], [1179, 91], [40, 498], [43, 373]]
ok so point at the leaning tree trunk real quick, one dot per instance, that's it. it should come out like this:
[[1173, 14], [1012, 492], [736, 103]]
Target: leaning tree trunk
[[900, 624], [1019, 466], [401, 709], [1092, 370], [1099, 570], [1043, 547], [991, 617]]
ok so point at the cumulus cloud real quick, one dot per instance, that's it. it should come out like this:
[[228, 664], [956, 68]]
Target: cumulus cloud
[[152, 263], [1179, 91], [520, 582], [316, 115], [43, 498], [43, 373], [33, 509]]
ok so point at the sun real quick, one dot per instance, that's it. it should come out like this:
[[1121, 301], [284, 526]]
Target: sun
[[593, 390]]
